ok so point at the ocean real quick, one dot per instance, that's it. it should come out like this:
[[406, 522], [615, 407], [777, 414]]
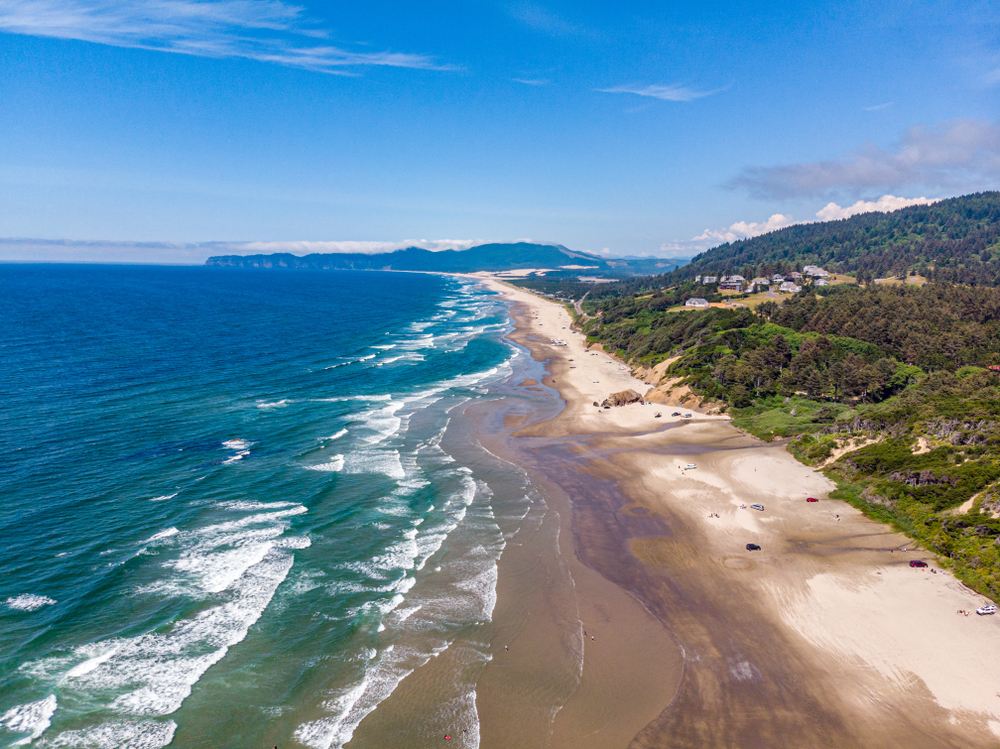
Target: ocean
[[231, 515]]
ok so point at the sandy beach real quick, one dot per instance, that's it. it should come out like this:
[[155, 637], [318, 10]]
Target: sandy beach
[[824, 637]]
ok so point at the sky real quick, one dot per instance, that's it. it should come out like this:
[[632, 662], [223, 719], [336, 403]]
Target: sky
[[142, 130]]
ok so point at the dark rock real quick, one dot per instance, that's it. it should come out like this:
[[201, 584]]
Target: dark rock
[[623, 398]]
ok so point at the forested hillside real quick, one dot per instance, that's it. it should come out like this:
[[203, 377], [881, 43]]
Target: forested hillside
[[904, 380], [953, 240]]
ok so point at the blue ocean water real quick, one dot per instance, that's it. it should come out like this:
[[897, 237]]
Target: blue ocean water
[[226, 514]]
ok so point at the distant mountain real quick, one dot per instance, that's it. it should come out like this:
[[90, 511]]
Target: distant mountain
[[487, 257], [955, 240]]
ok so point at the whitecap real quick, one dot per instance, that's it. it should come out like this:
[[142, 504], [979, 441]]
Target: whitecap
[[238, 456], [29, 602], [130, 734], [274, 404], [31, 718], [161, 535], [165, 496], [236, 444], [336, 436], [335, 465], [385, 462]]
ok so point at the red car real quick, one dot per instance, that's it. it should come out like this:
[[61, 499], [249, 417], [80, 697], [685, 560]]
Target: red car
[[917, 563], [812, 499]]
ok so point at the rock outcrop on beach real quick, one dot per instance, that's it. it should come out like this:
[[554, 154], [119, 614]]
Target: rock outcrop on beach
[[623, 398]]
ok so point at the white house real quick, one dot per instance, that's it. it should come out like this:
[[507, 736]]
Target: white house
[[709, 279], [760, 282], [777, 278], [815, 271], [790, 288], [821, 282], [697, 303]]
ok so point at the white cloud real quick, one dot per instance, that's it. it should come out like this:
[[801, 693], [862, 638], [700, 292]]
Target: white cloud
[[742, 230], [306, 248], [673, 92], [958, 156], [887, 203], [540, 19], [532, 81], [877, 107], [264, 30]]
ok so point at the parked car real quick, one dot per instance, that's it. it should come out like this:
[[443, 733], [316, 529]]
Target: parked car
[[687, 416], [757, 507], [986, 610], [917, 563], [676, 413], [753, 547], [811, 499], [690, 466]]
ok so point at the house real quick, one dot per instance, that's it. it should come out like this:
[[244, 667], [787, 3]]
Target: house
[[777, 278], [815, 271], [732, 278], [697, 279], [697, 303], [709, 279], [760, 282], [731, 286], [795, 276], [790, 288], [821, 282]]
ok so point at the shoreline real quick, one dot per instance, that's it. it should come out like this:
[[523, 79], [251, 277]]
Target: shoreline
[[825, 637]]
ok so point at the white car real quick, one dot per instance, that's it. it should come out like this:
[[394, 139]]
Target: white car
[[690, 466], [984, 610]]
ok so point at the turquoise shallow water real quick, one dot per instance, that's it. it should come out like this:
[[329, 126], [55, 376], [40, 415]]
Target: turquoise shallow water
[[227, 516]]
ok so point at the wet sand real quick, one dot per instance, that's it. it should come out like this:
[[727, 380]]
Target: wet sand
[[824, 637]]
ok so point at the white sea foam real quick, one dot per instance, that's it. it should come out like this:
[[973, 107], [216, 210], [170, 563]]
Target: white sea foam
[[246, 505], [238, 456], [165, 496], [29, 602], [367, 358], [385, 462], [236, 444], [242, 562], [335, 465], [274, 404], [131, 734], [31, 718], [161, 535], [337, 436], [381, 422], [90, 664], [353, 398]]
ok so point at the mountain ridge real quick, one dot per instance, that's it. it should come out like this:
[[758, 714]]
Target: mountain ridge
[[492, 257]]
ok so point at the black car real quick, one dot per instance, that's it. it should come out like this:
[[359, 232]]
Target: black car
[[753, 547]]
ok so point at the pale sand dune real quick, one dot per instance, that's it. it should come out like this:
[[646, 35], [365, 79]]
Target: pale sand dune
[[903, 624], [883, 635]]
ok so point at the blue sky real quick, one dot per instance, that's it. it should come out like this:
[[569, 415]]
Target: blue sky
[[627, 128]]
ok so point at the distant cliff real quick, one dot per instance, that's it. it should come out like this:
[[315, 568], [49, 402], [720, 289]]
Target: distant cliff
[[487, 257]]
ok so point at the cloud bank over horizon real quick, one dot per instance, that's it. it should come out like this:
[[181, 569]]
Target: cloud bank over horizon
[[958, 156]]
